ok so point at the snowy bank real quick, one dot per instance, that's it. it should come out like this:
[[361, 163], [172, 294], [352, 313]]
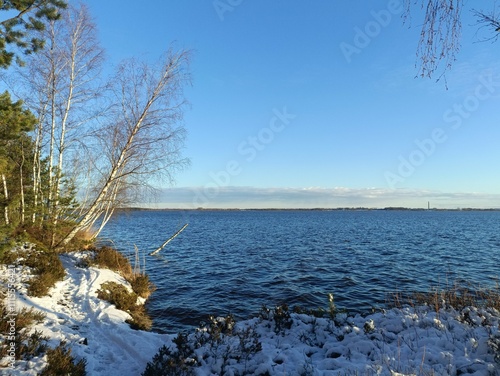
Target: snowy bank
[[93, 329], [409, 341]]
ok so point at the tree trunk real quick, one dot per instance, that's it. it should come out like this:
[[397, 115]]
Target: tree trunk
[[93, 213], [37, 167], [21, 183], [6, 194]]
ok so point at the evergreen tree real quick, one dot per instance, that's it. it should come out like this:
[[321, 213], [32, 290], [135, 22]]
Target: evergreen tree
[[24, 16], [16, 148]]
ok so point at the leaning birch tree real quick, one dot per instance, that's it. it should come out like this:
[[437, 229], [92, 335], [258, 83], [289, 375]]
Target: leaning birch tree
[[143, 138]]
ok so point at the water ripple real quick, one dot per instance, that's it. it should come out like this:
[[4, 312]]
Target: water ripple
[[237, 261]]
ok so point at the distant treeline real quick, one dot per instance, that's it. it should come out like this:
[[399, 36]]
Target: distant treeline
[[389, 208]]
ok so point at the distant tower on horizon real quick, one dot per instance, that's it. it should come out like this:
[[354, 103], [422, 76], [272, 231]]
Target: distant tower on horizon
[[428, 205]]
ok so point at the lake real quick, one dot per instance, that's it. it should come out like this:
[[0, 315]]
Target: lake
[[236, 261]]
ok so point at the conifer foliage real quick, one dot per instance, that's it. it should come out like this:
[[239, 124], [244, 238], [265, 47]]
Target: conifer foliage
[[27, 15]]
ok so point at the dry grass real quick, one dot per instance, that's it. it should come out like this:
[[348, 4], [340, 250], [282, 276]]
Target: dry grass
[[110, 258], [458, 296]]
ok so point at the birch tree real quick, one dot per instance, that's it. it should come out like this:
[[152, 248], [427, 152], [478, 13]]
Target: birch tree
[[62, 82], [142, 141]]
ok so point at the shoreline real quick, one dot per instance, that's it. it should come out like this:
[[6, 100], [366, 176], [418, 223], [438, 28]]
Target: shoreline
[[401, 340]]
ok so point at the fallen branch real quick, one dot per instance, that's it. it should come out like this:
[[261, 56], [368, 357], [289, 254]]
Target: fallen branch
[[168, 240]]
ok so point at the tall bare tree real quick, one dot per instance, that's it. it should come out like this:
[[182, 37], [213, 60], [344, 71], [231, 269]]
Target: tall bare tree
[[62, 84], [141, 142]]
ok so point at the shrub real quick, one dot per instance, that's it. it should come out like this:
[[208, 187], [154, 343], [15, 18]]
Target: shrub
[[280, 317], [141, 285], [107, 257], [125, 300], [118, 295], [140, 319], [46, 266], [26, 345], [172, 362], [60, 362], [34, 345]]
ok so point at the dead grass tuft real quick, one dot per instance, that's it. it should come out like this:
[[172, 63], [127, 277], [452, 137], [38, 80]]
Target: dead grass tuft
[[458, 296]]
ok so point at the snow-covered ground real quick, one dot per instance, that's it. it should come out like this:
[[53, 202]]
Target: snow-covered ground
[[94, 329], [410, 341]]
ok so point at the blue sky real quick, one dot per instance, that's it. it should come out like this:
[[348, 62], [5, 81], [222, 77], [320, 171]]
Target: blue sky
[[283, 115]]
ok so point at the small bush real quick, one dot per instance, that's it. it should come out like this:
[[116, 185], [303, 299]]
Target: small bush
[[125, 300], [280, 317], [110, 258], [26, 345], [60, 362], [46, 266], [142, 286], [107, 257], [172, 362], [140, 319], [34, 345], [48, 270], [118, 295]]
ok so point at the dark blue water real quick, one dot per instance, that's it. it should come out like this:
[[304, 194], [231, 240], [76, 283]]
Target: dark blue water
[[236, 261]]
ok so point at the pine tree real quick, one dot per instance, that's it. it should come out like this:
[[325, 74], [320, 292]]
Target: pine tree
[[27, 15], [16, 147]]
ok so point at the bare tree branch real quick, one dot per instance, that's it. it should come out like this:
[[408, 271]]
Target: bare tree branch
[[490, 22], [440, 34], [143, 140]]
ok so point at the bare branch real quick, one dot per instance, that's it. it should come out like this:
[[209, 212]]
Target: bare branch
[[440, 34], [490, 22]]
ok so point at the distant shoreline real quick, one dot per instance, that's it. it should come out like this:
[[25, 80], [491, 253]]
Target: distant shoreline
[[308, 209]]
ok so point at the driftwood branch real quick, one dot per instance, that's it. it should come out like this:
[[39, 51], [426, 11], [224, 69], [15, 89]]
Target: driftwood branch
[[168, 240]]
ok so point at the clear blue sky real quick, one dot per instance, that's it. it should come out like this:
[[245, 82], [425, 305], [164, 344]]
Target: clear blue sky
[[282, 116]]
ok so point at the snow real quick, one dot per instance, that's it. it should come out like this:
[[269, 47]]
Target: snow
[[74, 313], [407, 341]]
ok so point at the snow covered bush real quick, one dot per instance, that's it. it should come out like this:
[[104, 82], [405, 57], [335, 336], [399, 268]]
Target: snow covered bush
[[61, 362], [27, 344], [45, 266], [126, 300]]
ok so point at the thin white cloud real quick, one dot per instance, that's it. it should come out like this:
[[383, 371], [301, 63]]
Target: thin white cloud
[[316, 197]]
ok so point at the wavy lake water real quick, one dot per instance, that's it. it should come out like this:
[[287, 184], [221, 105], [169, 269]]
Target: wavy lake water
[[236, 261]]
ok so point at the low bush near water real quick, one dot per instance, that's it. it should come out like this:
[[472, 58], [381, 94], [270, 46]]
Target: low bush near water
[[125, 300], [107, 257], [110, 258]]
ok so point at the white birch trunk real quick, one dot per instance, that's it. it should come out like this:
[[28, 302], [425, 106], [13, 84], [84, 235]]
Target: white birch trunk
[[6, 194], [22, 185]]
